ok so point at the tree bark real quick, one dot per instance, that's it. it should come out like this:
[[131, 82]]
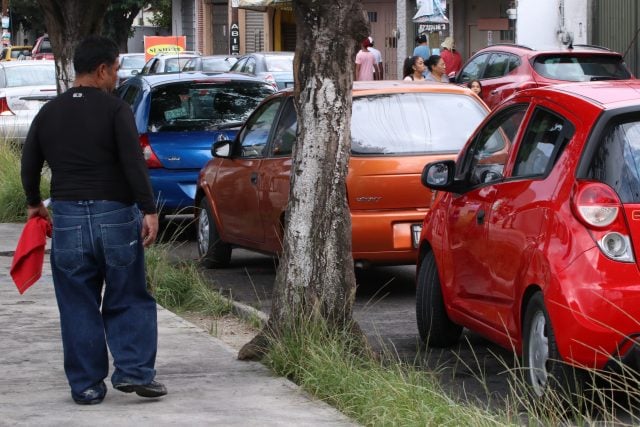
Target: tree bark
[[315, 277], [68, 22]]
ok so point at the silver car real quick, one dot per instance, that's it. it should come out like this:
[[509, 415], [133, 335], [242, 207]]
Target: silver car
[[130, 65], [275, 68], [25, 86]]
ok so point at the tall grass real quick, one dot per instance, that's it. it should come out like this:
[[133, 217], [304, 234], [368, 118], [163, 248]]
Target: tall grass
[[327, 363], [13, 206], [180, 287]]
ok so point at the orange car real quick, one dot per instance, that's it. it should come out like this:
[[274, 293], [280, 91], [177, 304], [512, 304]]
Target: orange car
[[396, 128]]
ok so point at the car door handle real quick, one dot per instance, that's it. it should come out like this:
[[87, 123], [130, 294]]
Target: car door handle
[[254, 178], [480, 217], [493, 92]]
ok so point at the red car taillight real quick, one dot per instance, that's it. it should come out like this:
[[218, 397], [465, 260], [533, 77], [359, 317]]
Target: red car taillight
[[149, 156], [598, 207], [271, 80], [4, 108]]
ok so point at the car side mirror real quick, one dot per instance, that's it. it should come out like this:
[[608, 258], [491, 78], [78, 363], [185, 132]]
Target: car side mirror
[[135, 72], [221, 148], [439, 175]]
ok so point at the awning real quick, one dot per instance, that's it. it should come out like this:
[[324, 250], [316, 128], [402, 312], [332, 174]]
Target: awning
[[262, 5], [431, 12]]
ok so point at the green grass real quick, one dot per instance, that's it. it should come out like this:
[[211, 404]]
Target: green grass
[[181, 287], [329, 365], [13, 207]]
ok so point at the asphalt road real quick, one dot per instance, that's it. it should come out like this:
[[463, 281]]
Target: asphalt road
[[385, 309]]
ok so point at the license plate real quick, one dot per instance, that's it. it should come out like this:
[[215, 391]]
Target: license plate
[[416, 229]]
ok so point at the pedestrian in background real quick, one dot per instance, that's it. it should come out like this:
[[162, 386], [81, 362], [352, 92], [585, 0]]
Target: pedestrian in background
[[437, 69], [378, 72], [422, 49], [476, 87], [365, 62], [89, 139], [413, 69], [451, 57]]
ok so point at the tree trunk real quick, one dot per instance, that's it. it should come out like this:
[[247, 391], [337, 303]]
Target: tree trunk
[[315, 277], [68, 22]]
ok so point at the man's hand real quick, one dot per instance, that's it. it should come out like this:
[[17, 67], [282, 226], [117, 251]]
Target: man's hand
[[40, 210], [149, 229]]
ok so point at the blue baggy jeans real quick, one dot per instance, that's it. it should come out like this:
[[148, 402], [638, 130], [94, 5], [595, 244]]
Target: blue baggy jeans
[[96, 243]]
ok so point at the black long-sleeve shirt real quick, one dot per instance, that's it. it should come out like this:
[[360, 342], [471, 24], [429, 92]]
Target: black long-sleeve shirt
[[89, 139]]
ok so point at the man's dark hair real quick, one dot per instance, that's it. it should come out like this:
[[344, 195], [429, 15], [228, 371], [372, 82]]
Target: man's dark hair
[[93, 51]]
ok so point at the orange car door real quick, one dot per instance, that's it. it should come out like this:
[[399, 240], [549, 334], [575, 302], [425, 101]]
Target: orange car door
[[238, 179]]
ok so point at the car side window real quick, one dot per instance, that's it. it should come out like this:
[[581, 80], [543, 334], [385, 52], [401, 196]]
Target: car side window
[[239, 65], [254, 136], [484, 160], [131, 95], [474, 69], [545, 137], [154, 67], [497, 65], [285, 133], [190, 65], [250, 67]]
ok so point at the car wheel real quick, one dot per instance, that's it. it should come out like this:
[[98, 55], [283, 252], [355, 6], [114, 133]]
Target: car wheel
[[434, 325], [545, 373], [214, 253]]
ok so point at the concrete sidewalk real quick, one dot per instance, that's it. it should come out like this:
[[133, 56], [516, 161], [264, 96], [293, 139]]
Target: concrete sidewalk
[[207, 384]]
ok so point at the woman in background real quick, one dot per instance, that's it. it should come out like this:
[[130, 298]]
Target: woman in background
[[437, 69], [413, 68]]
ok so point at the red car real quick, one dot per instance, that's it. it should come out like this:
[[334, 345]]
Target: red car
[[504, 69], [42, 48], [532, 241]]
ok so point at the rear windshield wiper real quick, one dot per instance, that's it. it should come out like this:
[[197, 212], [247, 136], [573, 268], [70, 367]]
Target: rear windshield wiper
[[600, 78]]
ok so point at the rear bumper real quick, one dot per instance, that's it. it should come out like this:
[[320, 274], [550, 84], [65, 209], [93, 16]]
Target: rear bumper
[[14, 127], [174, 191], [385, 237]]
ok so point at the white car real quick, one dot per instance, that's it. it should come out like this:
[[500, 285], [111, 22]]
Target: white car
[[168, 62], [25, 86], [130, 65]]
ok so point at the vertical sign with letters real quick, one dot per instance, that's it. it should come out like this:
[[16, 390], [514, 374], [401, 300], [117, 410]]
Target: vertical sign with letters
[[234, 33]]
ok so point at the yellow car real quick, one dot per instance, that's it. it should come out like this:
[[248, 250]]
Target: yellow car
[[12, 53]]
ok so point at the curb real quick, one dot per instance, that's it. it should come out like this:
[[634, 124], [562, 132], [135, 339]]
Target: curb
[[247, 313]]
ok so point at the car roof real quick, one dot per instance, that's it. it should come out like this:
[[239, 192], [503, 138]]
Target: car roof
[[606, 94], [271, 53], [401, 86], [528, 51], [156, 79], [27, 63]]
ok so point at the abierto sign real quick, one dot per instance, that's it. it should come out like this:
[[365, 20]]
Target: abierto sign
[[163, 44]]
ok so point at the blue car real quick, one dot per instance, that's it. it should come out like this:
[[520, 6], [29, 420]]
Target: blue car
[[178, 117]]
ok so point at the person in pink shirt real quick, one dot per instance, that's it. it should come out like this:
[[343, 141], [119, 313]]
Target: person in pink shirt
[[365, 62]]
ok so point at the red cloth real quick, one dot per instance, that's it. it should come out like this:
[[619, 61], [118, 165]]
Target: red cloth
[[452, 60], [28, 258]]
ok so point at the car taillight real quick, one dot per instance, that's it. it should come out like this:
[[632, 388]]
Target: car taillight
[[599, 208], [4, 108], [149, 156], [271, 80]]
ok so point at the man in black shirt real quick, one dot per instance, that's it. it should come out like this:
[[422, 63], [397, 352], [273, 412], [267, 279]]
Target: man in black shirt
[[99, 185]]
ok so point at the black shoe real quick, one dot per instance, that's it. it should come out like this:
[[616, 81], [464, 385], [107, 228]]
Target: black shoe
[[153, 389], [92, 395]]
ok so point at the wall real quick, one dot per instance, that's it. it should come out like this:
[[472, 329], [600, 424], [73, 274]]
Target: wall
[[537, 23]]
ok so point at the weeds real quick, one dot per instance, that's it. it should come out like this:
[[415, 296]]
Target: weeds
[[373, 392], [13, 206]]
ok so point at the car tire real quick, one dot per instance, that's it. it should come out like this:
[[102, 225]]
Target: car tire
[[546, 375], [213, 252], [434, 325]]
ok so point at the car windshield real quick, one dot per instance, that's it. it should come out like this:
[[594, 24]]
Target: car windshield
[[581, 68], [616, 162], [188, 106], [132, 62], [34, 75], [279, 63], [406, 123]]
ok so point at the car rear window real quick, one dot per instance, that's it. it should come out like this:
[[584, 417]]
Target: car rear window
[[187, 106], [34, 75], [616, 161], [413, 123], [279, 63], [217, 64], [581, 68]]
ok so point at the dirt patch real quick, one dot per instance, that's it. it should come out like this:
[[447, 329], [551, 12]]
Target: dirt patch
[[229, 329]]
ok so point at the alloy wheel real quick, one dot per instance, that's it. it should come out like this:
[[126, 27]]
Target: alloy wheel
[[203, 232]]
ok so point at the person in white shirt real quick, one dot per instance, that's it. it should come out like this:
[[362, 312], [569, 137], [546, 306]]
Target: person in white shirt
[[378, 69]]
